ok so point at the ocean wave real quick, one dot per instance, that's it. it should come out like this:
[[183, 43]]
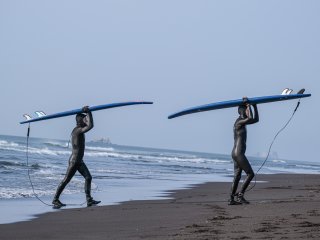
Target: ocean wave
[[7, 163], [9, 157], [47, 151], [42, 189], [40, 151], [48, 172], [8, 144], [17, 165], [148, 158], [315, 167], [301, 170], [109, 171], [279, 161], [56, 144], [68, 145], [11, 146], [101, 149], [10, 193], [177, 168], [93, 151]]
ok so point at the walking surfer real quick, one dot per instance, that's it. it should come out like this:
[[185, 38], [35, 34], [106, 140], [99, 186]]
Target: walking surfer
[[84, 124], [238, 153]]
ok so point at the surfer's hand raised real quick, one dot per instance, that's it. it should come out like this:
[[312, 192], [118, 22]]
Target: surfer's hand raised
[[86, 109], [245, 100]]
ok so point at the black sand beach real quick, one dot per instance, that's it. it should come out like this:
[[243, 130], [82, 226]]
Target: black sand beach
[[287, 206]]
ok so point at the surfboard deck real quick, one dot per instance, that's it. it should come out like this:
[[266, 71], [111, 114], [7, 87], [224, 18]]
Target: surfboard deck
[[79, 110], [238, 102]]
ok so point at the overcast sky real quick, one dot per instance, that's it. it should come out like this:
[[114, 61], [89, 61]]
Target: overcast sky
[[61, 55]]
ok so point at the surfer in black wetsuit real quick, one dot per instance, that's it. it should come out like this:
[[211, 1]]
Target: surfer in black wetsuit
[[84, 124], [238, 153]]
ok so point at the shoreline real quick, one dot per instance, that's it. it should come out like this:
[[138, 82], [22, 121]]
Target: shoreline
[[25, 209], [285, 206]]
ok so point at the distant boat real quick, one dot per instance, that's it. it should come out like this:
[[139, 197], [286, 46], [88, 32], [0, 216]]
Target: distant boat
[[102, 140]]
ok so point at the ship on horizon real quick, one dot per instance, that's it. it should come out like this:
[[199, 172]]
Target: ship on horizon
[[102, 140]]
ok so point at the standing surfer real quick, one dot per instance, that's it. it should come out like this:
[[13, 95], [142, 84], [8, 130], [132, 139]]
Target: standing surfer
[[84, 124], [238, 153]]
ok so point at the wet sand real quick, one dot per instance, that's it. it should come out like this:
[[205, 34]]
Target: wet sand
[[287, 206]]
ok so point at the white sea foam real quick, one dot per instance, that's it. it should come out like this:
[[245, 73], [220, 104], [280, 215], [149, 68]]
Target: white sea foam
[[112, 167], [108, 171], [32, 150], [101, 149], [292, 170], [46, 171], [8, 193], [21, 192], [8, 144], [12, 146], [12, 149], [160, 159], [47, 151], [308, 167], [279, 161], [57, 144]]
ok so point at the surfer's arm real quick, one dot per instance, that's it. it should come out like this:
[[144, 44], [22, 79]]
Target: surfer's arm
[[254, 119], [256, 114], [89, 118], [249, 118]]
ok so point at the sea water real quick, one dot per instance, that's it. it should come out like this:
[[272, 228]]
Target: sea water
[[120, 173]]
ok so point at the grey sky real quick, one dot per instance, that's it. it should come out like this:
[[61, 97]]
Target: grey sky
[[61, 55]]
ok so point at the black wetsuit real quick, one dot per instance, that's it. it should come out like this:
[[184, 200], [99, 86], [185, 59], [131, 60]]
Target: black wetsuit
[[76, 159], [238, 153]]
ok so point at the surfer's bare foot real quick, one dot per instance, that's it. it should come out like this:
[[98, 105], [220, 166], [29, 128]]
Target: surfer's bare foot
[[92, 202], [57, 204]]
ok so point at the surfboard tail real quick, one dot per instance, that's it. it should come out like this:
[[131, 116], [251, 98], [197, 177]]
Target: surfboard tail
[[40, 113], [27, 117], [42, 116]]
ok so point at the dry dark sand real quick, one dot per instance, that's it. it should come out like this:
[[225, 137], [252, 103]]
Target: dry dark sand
[[286, 207]]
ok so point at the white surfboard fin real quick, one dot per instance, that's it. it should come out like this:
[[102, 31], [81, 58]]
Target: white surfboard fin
[[301, 91], [289, 91], [40, 113], [28, 117], [284, 92]]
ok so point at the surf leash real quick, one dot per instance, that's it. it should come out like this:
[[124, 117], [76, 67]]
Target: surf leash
[[28, 168], [272, 142], [30, 180]]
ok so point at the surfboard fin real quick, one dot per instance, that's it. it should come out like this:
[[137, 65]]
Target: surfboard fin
[[286, 91], [301, 91], [40, 113], [28, 117]]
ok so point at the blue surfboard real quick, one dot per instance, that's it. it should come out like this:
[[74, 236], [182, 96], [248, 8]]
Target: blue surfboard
[[42, 116], [237, 102]]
